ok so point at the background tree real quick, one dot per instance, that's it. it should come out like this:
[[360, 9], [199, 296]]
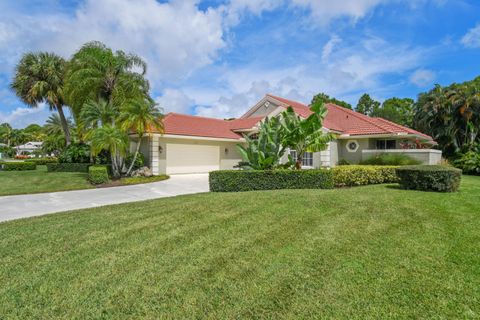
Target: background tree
[[397, 110], [322, 97], [39, 77], [6, 134], [367, 105]]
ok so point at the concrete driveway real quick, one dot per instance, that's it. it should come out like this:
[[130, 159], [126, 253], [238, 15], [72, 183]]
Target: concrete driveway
[[23, 206]]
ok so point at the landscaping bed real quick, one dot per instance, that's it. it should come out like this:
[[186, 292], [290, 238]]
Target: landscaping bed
[[373, 252]]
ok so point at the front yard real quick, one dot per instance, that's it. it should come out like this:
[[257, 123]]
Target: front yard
[[365, 252], [39, 180]]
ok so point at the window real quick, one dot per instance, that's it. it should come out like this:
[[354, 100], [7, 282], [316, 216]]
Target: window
[[386, 144], [307, 160], [352, 146]]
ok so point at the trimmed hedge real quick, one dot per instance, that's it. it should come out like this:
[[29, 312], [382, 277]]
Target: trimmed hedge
[[18, 166], [98, 174], [358, 175], [248, 180], [42, 161], [429, 178], [68, 167]]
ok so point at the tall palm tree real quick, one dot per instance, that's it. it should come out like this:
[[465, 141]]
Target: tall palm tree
[[96, 73], [138, 116], [39, 77], [53, 125], [112, 139], [465, 99]]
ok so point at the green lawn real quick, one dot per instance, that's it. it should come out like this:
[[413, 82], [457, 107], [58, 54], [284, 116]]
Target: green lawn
[[36, 181], [368, 252]]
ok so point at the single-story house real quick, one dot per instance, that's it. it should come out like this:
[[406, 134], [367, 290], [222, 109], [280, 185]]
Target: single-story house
[[29, 147], [193, 144]]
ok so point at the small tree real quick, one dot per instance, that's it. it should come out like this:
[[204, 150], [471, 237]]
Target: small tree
[[305, 135]]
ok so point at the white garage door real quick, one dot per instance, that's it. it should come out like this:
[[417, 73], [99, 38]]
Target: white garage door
[[192, 158]]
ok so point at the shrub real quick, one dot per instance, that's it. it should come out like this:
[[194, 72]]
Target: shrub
[[18, 166], [75, 153], [356, 175], [139, 162], [42, 161], [247, 180], [68, 167], [7, 152], [98, 174], [391, 159], [22, 157], [469, 162], [343, 162], [429, 178]]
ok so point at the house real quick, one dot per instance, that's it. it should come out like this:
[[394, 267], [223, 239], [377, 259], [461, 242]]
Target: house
[[29, 147], [193, 144]]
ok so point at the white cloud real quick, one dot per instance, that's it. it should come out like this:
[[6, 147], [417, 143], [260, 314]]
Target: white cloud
[[23, 116], [329, 46], [422, 77], [472, 38], [173, 100]]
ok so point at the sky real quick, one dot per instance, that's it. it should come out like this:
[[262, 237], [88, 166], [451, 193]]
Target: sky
[[217, 58]]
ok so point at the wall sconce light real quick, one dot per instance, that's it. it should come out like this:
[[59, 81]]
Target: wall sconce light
[[160, 149], [226, 150]]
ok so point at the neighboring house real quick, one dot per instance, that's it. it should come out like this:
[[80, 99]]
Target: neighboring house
[[192, 144], [29, 147]]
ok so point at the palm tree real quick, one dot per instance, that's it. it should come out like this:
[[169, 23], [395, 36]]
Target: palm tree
[[96, 73], [39, 77], [139, 116], [465, 99], [112, 139], [6, 133], [53, 125], [97, 113]]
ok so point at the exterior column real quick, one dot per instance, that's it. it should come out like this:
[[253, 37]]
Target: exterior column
[[154, 155]]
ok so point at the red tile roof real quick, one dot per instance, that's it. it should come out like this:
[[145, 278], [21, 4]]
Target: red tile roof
[[338, 119], [187, 125], [350, 122]]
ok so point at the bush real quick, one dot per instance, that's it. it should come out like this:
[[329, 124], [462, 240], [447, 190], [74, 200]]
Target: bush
[[469, 162], [18, 166], [343, 162], [75, 153], [247, 180], [429, 178], [139, 162], [391, 159], [98, 174], [348, 176], [42, 161], [68, 167], [7, 152]]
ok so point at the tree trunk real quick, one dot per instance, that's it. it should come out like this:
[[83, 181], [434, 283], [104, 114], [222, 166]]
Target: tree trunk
[[135, 156], [66, 130]]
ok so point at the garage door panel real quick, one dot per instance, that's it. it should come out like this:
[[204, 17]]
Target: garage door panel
[[192, 158]]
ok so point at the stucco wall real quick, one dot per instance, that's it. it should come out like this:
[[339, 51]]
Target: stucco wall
[[352, 157], [426, 156]]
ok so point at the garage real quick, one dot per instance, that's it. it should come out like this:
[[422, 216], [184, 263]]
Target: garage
[[192, 158]]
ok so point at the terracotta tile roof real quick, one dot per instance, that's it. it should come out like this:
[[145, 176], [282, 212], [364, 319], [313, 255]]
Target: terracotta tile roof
[[350, 122], [187, 125]]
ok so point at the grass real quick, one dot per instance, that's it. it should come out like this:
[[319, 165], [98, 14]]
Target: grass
[[38, 181], [370, 252], [135, 180]]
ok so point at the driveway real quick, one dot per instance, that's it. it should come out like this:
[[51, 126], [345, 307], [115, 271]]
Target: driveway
[[23, 206]]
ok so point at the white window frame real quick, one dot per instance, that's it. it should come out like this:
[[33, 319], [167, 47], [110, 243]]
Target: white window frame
[[307, 160]]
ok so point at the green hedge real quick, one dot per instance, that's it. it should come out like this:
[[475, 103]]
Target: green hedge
[[247, 180], [68, 167], [391, 159], [429, 178], [98, 174], [358, 175], [18, 166], [42, 161]]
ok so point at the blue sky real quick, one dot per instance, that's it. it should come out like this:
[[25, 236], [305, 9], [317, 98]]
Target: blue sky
[[217, 58]]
